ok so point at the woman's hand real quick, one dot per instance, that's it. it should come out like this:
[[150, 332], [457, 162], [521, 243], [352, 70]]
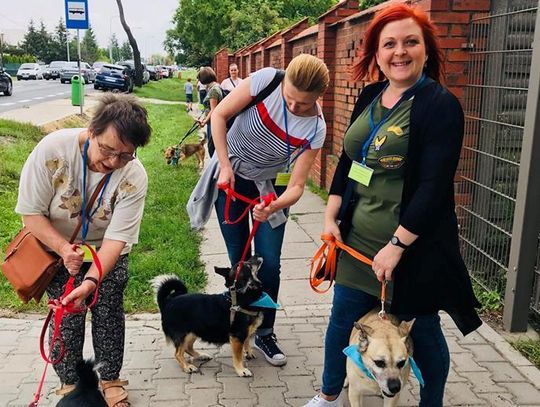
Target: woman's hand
[[79, 294], [331, 228], [72, 255], [385, 261], [262, 212], [226, 176]]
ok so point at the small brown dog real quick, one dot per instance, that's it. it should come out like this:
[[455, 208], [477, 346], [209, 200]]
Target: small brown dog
[[175, 153]]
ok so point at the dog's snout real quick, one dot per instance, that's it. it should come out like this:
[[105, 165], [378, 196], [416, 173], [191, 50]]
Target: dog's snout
[[394, 385]]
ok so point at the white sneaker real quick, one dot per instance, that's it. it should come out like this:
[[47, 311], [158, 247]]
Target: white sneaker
[[318, 401]]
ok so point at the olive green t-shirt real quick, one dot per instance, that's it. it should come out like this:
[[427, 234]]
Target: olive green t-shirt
[[376, 216]]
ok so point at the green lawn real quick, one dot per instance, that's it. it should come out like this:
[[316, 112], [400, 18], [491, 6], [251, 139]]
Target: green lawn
[[169, 89], [166, 242]]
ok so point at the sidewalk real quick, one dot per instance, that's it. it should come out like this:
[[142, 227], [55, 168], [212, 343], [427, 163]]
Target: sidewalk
[[485, 370]]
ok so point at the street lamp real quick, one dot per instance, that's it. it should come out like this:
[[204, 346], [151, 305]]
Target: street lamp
[[1, 50]]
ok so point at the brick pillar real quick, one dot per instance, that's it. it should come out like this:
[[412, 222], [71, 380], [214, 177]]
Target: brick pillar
[[286, 35], [221, 64]]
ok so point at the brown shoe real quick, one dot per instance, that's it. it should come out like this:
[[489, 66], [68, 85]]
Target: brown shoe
[[119, 396]]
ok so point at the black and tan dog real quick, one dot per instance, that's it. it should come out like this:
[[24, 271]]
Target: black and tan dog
[[187, 317], [385, 348], [86, 392], [175, 153]]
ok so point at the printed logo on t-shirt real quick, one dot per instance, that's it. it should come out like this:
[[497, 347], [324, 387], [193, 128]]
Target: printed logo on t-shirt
[[391, 162], [379, 141]]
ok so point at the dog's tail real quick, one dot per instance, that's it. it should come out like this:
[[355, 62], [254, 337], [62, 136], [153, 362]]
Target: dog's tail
[[167, 286], [88, 377]]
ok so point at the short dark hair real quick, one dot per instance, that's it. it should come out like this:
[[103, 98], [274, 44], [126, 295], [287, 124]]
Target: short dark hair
[[126, 115], [206, 75]]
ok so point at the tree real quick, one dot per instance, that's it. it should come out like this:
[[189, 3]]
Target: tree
[[58, 51], [295, 10], [125, 51], [134, 46], [114, 49], [89, 46]]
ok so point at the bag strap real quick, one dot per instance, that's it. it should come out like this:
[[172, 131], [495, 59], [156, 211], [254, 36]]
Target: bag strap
[[278, 78], [234, 86], [99, 187]]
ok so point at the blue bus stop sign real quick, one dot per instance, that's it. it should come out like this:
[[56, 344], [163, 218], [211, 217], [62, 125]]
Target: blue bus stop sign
[[77, 14]]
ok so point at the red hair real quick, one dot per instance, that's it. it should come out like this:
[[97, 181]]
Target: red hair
[[366, 68]]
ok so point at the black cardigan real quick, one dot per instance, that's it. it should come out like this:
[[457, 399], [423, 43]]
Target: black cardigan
[[431, 274]]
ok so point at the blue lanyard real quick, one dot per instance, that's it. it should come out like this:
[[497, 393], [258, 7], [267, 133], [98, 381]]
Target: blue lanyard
[[374, 128], [86, 218], [304, 147]]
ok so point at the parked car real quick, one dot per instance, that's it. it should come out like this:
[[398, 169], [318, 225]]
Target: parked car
[[114, 77], [53, 72], [29, 71], [6, 84], [154, 74], [163, 71], [71, 69], [131, 65], [97, 65]]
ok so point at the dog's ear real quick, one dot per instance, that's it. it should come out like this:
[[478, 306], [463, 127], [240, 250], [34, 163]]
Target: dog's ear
[[364, 332], [405, 327]]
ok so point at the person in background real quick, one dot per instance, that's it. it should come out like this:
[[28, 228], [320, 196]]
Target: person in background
[[59, 175], [395, 177], [214, 95], [255, 157], [233, 80], [201, 88], [188, 88]]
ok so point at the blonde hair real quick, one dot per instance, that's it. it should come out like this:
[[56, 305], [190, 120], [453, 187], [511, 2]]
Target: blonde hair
[[308, 74]]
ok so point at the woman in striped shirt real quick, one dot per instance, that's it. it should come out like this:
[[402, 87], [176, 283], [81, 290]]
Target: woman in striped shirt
[[270, 148]]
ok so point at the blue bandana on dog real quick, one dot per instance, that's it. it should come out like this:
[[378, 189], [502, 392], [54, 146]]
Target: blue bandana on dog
[[265, 301], [352, 352]]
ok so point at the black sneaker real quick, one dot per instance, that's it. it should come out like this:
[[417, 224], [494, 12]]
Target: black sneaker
[[267, 344]]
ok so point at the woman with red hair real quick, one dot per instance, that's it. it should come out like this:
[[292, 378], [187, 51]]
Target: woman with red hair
[[392, 199]]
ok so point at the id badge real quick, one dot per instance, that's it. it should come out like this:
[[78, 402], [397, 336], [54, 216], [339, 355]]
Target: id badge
[[88, 254], [361, 173], [282, 179]]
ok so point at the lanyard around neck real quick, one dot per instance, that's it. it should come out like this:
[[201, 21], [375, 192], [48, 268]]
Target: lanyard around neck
[[287, 140], [374, 128], [86, 215]]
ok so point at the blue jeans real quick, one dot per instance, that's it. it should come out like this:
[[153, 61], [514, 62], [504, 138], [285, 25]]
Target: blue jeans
[[267, 241], [430, 348]]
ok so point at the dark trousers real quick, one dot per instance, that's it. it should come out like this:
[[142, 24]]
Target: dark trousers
[[430, 348], [267, 241], [108, 324], [202, 95]]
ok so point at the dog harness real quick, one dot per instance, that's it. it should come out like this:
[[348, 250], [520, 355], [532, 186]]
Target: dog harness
[[353, 353]]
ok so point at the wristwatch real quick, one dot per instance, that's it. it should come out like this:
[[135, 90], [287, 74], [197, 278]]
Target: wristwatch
[[396, 242]]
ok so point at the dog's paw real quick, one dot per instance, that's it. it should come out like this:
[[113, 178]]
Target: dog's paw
[[245, 372], [191, 369], [203, 356], [250, 355]]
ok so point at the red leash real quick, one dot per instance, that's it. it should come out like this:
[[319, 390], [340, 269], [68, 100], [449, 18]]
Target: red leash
[[231, 193], [58, 313]]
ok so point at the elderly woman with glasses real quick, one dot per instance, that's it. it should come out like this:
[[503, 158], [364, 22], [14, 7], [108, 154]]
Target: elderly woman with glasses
[[65, 168]]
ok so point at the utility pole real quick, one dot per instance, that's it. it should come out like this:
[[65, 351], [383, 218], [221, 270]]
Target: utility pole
[[67, 44], [1, 50]]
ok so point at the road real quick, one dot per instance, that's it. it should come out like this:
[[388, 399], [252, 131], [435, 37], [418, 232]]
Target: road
[[30, 92]]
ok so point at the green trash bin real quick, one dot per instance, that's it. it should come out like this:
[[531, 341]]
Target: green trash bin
[[77, 91]]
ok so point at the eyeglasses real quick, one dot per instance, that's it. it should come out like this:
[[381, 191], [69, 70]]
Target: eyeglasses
[[107, 152]]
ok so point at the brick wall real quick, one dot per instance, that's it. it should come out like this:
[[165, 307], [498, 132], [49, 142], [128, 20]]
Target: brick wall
[[336, 39]]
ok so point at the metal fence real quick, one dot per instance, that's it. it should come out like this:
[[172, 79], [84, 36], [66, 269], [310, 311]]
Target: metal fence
[[501, 47]]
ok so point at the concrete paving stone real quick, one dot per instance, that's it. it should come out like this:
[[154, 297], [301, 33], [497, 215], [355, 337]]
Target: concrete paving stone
[[511, 354], [295, 234], [524, 393], [303, 311], [296, 366], [137, 342], [291, 347], [499, 399], [301, 325], [484, 353], [141, 397], [169, 389], [284, 331], [203, 397], [168, 369], [454, 346], [474, 338], [204, 379], [300, 250], [214, 246], [297, 401], [314, 355], [12, 379], [300, 386], [169, 403], [309, 202], [142, 360], [461, 394], [455, 377], [236, 388], [304, 218], [317, 373], [313, 230], [309, 340], [238, 402], [271, 397], [21, 363], [139, 379], [463, 362], [483, 383], [503, 372], [407, 398], [294, 269], [266, 377], [532, 373], [7, 398]]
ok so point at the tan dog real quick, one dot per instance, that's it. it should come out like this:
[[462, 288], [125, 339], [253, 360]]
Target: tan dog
[[186, 151], [385, 347]]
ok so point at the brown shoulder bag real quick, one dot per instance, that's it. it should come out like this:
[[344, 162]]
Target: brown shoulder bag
[[29, 267]]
